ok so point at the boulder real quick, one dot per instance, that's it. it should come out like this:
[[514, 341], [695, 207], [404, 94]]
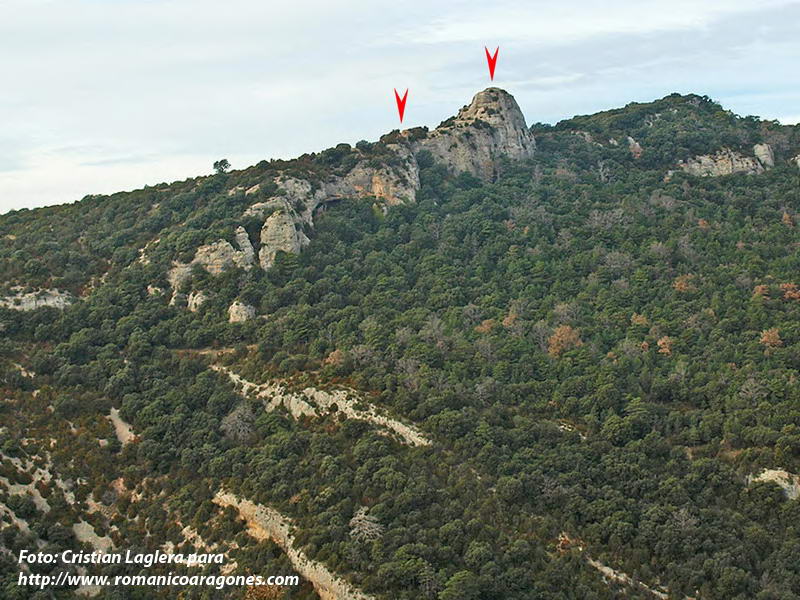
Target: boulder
[[239, 312], [764, 155]]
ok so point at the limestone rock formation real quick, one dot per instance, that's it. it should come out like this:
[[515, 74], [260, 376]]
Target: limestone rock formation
[[491, 126], [764, 155], [216, 258], [239, 312], [788, 482], [19, 300], [279, 233], [195, 300], [394, 185], [728, 162], [724, 162]]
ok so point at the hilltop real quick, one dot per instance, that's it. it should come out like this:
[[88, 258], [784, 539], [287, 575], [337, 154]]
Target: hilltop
[[478, 361]]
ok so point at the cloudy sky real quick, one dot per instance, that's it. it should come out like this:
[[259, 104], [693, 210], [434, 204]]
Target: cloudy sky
[[105, 95]]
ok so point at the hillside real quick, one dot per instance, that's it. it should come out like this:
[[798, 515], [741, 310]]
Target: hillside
[[477, 361]]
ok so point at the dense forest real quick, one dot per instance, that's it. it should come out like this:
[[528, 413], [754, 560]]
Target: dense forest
[[603, 357]]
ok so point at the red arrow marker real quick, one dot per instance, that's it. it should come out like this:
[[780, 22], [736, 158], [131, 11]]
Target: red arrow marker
[[401, 103], [492, 60]]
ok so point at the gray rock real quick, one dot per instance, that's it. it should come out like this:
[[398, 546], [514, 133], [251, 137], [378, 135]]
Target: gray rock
[[491, 126], [239, 312], [18, 300], [195, 300], [724, 162], [764, 155], [279, 233]]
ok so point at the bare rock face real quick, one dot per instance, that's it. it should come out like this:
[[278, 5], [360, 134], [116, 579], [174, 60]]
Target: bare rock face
[[764, 155], [195, 300], [216, 258], [728, 162], [491, 126], [394, 186], [279, 233], [239, 312], [724, 162], [788, 482], [19, 300], [246, 255]]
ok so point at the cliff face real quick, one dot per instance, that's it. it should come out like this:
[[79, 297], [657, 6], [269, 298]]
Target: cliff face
[[475, 140], [728, 162], [490, 127]]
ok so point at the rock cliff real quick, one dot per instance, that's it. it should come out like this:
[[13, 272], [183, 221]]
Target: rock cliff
[[728, 162], [215, 258], [491, 127]]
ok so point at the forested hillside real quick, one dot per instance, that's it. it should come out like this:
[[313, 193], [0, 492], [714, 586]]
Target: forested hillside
[[597, 348]]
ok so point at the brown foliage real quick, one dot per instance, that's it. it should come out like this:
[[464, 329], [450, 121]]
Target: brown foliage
[[761, 291], [334, 358], [564, 338], [790, 291], [703, 224], [665, 345], [771, 338], [683, 283], [787, 219], [263, 592], [638, 319], [486, 326]]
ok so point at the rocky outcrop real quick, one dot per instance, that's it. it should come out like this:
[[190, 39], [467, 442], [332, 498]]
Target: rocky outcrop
[[313, 402], [122, 430], [724, 162], [246, 255], [265, 523], [764, 155], [215, 258], [788, 482], [280, 233], [475, 140], [728, 162], [19, 300], [195, 300], [490, 127], [239, 312]]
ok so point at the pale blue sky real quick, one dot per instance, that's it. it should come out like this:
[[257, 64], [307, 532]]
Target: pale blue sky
[[100, 96]]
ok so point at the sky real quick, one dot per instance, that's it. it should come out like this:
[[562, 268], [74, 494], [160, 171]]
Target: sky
[[100, 96]]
